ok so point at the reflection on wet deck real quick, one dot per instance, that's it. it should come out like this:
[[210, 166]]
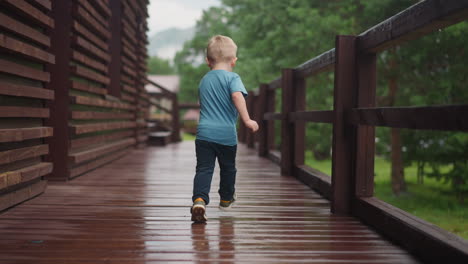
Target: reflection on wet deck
[[136, 210]]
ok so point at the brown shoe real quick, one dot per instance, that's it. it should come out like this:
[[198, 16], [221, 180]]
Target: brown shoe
[[198, 211]]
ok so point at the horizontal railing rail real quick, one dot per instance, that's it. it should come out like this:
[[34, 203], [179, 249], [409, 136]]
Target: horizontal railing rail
[[447, 117]]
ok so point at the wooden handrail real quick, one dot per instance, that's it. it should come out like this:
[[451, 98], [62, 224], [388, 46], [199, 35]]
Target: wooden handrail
[[447, 118], [273, 116], [275, 84], [414, 22], [174, 111], [164, 89], [312, 116], [321, 63], [189, 106]]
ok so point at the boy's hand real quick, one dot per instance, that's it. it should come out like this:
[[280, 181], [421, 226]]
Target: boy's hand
[[252, 125]]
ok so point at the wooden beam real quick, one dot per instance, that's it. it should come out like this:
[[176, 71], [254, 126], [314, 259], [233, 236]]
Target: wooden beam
[[25, 91], [429, 242], [343, 134], [13, 155], [287, 129], [163, 89], [88, 61], [81, 29], [94, 153], [21, 134], [89, 141], [89, 115], [60, 84], [416, 21], [129, 89], [323, 62], [90, 21], [273, 116], [250, 106], [20, 111], [25, 49], [89, 75], [175, 135], [271, 106], [31, 12], [275, 84], [115, 48], [46, 4], [299, 126], [23, 175], [89, 128], [88, 88], [83, 100], [315, 179], [76, 171], [365, 144], [90, 48], [312, 116], [183, 106], [263, 131], [102, 18], [15, 197], [23, 71], [445, 118], [104, 7], [24, 30]]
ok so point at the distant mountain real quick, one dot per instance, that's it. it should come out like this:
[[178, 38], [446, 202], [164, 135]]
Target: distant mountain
[[165, 44]]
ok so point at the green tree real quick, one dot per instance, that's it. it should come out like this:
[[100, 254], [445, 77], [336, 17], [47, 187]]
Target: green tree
[[160, 66]]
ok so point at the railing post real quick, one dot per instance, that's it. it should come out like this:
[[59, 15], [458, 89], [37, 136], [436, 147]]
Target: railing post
[[292, 134], [344, 135], [256, 115], [271, 106], [287, 128], [299, 126], [365, 148], [242, 132], [251, 108], [263, 131], [175, 137]]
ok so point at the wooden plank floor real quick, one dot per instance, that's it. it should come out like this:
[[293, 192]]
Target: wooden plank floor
[[136, 210]]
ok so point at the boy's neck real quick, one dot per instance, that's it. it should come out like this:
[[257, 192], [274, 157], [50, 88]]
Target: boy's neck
[[222, 66]]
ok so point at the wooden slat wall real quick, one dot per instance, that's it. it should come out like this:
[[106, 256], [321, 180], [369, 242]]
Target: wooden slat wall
[[100, 49], [93, 113], [24, 57], [133, 63]]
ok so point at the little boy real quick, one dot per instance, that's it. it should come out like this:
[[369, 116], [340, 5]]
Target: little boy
[[221, 95]]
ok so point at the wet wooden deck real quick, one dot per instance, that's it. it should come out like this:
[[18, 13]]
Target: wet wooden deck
[[136, 210]]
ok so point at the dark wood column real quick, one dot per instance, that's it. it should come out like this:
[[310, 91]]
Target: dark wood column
[[60, 84]]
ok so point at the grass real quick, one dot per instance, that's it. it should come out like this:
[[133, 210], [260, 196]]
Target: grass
[[188, 137], [432, 201]]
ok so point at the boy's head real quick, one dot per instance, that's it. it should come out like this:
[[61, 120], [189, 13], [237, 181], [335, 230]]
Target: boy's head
[[221, 49]]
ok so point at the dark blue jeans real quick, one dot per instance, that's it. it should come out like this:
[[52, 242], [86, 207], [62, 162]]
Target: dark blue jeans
[[207, 152]]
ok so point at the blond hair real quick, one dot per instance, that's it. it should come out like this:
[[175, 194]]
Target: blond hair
[[221, 49]]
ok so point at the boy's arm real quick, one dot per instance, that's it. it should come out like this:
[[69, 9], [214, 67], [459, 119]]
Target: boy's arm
[[239, 102]]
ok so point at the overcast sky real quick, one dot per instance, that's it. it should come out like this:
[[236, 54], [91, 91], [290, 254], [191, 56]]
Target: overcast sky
[[165, 14]]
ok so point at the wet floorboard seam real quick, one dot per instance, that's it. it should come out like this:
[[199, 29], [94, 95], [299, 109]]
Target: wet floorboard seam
[[136, 210]]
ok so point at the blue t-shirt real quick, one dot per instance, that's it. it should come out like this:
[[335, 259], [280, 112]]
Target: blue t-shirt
[[218, 114]]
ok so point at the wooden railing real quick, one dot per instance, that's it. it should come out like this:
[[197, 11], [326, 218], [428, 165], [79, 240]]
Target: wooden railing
[[172, 110], [354, 118]]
